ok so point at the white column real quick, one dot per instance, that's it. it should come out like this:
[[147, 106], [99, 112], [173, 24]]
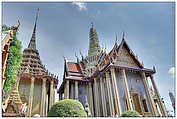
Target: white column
[[103, 96], [116, 92], [162, 109], [30, 102], [72, 91], [76, 90], [111, 104], [97, 108], [67, 89], [91, 98], [51, 94], [43, 98], [127, 92]]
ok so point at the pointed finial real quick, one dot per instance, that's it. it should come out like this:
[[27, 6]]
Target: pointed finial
[[81, 55], [37, 14], [64, 58], [32, 43], [154, 69], [116, 40], [116, 37], [123, 36]]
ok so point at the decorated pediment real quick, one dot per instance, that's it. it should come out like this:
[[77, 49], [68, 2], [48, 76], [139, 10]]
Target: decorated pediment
[[125, 59]]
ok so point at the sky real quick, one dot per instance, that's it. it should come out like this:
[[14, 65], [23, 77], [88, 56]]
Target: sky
[[63, 30]]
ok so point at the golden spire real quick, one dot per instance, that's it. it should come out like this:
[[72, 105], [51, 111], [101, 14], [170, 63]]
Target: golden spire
[[32, 44]]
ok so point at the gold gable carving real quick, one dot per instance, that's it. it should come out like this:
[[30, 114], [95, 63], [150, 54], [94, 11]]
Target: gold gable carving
[[124, 59]]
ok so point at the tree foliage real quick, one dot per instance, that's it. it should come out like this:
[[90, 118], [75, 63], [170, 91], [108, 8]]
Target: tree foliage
[[130, 113], [13, 62], [67, 108]]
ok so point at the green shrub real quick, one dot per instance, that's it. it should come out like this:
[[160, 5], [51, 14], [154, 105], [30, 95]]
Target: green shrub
[[131, 113], [67, 108]]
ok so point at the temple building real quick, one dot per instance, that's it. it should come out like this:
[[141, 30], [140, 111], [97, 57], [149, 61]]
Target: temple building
[[7, 37], [112, 83], [35, 85], [9, 101]]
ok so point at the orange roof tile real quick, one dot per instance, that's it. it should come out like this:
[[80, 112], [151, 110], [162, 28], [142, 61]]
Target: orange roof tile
[[73, 67]]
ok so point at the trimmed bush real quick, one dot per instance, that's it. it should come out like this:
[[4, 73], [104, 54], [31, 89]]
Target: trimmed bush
[[67, 108], [132, 113]]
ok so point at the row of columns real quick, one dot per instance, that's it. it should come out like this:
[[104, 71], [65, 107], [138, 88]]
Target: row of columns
[[51, 100], [90, 94], [66, 90], [114, 110], [118, 110]]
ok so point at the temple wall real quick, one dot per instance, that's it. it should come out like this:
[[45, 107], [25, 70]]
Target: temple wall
[[82, 93], [100, 99], [134, 79], [24, 90]]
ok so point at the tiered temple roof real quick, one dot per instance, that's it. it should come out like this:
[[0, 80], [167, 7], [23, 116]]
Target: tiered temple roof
[[31, 63], [85, 69]]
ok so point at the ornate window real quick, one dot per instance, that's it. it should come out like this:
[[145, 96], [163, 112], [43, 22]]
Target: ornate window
[[136, 100]]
